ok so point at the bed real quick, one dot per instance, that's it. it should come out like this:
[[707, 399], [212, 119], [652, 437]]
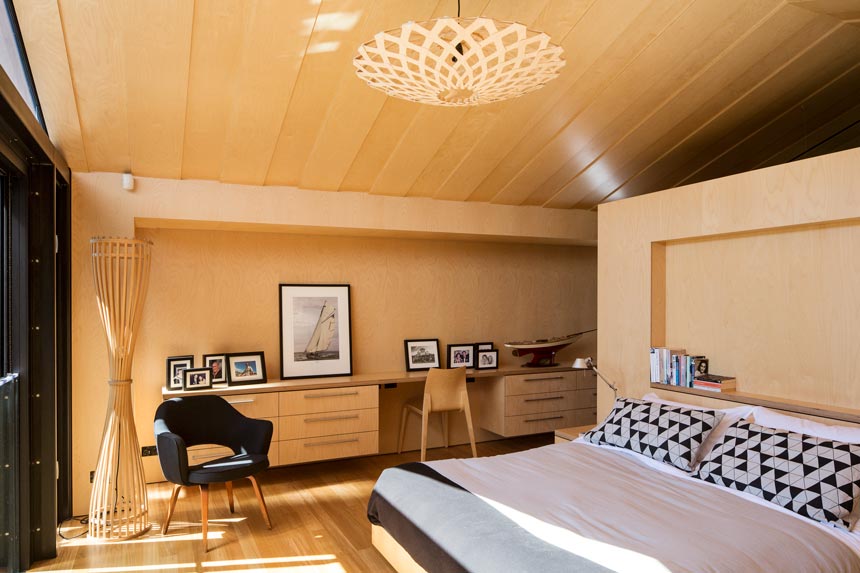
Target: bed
[[581, 507]]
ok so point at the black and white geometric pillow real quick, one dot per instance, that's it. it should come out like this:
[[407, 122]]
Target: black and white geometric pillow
[[815, 477], [669, 434]]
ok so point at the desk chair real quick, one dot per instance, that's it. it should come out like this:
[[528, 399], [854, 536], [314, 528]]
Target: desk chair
[[194, 420], [444, 391]]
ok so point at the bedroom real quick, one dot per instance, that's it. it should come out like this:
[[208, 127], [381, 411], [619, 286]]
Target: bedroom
[[453, 224]]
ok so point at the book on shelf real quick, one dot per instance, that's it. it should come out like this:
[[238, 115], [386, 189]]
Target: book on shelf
[[664, 365], [715, 383]]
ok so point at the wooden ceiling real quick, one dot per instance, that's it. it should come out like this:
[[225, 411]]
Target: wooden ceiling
[[655, 94]]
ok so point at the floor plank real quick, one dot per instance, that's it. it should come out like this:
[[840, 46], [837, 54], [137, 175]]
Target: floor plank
[[318, 514]]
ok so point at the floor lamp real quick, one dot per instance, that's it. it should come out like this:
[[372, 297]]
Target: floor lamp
[[118, 506]]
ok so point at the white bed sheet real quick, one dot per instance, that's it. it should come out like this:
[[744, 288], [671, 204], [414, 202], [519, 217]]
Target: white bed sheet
[[535, 492]]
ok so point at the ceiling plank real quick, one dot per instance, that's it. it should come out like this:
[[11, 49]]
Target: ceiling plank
[[157, 48], [44, 40], [772, 44], [603, 40], [356, 107], [215, 53], [93, 32], [828, 58], [433, 124], [340, 26], [635, 93], [276, 34]]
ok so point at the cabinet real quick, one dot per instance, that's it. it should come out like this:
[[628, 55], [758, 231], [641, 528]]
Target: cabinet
[[309, 425], [533, 403]]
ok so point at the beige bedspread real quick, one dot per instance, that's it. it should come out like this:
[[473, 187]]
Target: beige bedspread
[[617, 511]]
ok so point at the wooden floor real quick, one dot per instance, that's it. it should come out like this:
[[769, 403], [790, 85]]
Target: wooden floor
[[318, 514]]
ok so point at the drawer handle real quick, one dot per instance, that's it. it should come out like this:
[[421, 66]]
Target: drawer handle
[[545, 419], [312, 396], [542, 399], [332, 418], [251, 401], [331, 443], [545, 378]]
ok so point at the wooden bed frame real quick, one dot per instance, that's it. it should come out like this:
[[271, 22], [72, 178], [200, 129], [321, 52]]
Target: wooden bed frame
[[393, 552]]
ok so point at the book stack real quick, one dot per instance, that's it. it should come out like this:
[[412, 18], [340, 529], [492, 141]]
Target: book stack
[[674, 367], [715, 383]]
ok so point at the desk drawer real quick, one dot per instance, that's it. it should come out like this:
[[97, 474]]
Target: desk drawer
[[328, 447], [547, 422], [263, 405], [328, 423], [540, 382], [328, 400], [549, 402]]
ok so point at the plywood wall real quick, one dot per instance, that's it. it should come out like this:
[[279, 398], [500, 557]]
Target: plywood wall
[[217, 291], [767, 259]]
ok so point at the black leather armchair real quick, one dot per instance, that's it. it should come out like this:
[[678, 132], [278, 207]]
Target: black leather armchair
[[193, 420]]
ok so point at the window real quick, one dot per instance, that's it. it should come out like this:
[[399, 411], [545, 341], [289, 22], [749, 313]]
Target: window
[[14, 60]]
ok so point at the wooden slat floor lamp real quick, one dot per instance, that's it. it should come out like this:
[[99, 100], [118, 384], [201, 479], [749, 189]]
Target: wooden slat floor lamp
[[118, 507]]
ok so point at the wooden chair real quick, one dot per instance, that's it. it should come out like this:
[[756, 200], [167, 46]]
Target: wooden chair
[[444, 391], [194, 420]]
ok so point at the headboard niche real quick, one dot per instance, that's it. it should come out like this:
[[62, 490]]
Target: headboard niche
[[778, 308]]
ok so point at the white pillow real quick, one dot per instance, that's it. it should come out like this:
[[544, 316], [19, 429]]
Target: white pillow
[[774, 419], [731, 415]]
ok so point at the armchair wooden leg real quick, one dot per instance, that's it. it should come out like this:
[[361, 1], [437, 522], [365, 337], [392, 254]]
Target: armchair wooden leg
[[263, 508], [173, 497], [229, 486], [403, 418], [204, 511]]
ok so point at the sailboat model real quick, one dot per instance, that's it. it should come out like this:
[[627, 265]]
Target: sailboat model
[[323, 332]]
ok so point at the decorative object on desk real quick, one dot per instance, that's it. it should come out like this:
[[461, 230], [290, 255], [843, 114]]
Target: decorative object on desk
[[484, 345], [197, 378], [461, 355], [421, 354], [315, 331], [700, 366], [715, 383], [587, 364], [246, 368], [458, 61], [175, 366], [487, 359], [218, 364], [119, 508], [543, 350]]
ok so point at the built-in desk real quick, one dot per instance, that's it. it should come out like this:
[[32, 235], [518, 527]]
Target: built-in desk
[[345, 416]]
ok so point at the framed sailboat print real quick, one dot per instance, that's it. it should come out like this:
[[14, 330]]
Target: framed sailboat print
[[315, 331]]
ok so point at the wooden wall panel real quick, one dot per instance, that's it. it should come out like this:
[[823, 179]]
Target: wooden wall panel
[[819, 192]]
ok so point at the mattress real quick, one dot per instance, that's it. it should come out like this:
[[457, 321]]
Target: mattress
[[579, 507]]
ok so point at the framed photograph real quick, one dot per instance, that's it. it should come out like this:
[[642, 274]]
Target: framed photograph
[[421, 354], [487, 359], [197, 378], [461, 355], [484, 345], [175, 366], [218, 364], [246, 368], [316, 339]]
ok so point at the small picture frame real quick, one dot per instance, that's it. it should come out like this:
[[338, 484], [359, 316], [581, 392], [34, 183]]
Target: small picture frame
[[484, 345], [421, 354], [487, 359], [246, 368], [218, 364], [461, 355], [175, 366], [197, 378]]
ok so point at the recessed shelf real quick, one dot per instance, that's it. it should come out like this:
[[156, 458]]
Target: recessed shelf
[[795, 406]]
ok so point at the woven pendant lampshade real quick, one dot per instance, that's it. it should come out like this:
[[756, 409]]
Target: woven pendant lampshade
[[118, 506], [458, 61]]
